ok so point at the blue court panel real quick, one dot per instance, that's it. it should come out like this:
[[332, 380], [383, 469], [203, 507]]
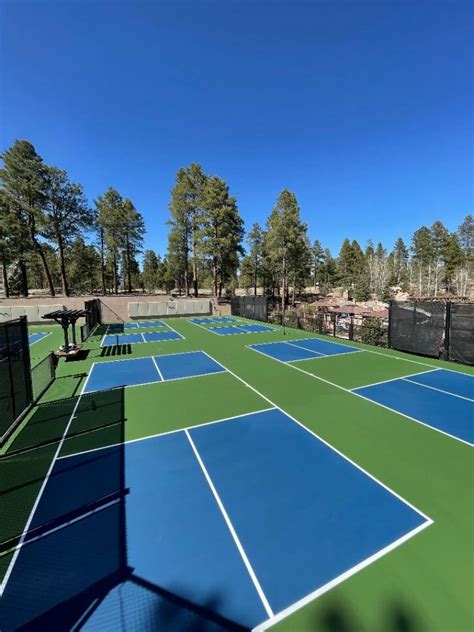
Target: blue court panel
[[449, 414], [120, 339], [177, 537], [36, 337], [117, 373], [212, 320], [183, 365], [255, 329], [150, 323], [226, 331], [128, 326], [161, 336], [450, 381], [303, 514], [323, 347], [284, 352]]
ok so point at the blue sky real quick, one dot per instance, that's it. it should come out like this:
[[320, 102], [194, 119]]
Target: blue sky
[[363, 109]]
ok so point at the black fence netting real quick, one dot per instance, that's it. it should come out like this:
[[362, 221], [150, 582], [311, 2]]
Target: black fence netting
[[16, 392], [254, 307], [461, 333], [93, 318], [76, 545], [418, 327]]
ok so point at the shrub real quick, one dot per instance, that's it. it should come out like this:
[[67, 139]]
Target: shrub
[[371, 332]]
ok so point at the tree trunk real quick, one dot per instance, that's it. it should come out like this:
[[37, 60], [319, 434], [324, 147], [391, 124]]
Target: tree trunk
[[23, 278], [5, 279], [214, 273], [62, 266], [129, 272], [40, 251], [102, 262], [114, 273]]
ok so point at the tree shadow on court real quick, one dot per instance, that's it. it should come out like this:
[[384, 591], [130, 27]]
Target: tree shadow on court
[[396, 616], [116, 350]]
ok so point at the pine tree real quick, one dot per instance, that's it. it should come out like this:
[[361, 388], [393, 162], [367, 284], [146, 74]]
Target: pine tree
[[186, 221], [110, 226], [439, 237], [221, 233], [66, 215], [422, 248], [284, 239], [24, 183], [317, 256], [151, 269], [82, 266], [254, 261], [133, 230]]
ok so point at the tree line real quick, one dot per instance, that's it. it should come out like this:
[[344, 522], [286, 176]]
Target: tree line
[[50, 237]]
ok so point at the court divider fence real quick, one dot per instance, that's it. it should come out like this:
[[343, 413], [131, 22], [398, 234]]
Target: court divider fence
[[93, 318], [435, 329]]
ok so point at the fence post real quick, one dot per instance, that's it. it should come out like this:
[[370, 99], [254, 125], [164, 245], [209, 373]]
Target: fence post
[[447, 331], [351, 328], [334, 322]]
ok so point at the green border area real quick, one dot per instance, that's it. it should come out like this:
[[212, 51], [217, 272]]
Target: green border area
[[424, 585]]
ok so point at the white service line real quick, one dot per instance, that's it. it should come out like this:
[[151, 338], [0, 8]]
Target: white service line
[[230, 526], [279, 616], [273, 405], [168, 432], [40, 339], [158, 369], [372, 401], [104, 336], [393, 379], [435, 388]]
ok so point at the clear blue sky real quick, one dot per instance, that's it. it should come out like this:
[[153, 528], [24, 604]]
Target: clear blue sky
[[363, 109]]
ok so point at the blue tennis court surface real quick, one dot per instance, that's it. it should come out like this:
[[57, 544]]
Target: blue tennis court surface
[[240, 329], [118, 328], [441, 399], [212, 319], [36, 337], [133, 372], [305, 349], [246, 517], [110, 340]]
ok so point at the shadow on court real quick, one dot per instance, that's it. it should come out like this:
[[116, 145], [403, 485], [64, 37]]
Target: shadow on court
[[116, 350], [72, 570], [396, 617]]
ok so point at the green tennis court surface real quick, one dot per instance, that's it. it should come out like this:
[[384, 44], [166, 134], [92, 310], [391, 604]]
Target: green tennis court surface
[[241, 482]]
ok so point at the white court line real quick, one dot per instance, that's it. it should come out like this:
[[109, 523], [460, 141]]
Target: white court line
[[434, 388], [356, 394], [62, 526], [295, 343], [394, 379], [172, 329], [45, 335], [41, 491], [337, 580], [168, 432], [104, 336], [230, 526], [143, 337], [158, 369], [273, 405], [361, 565]]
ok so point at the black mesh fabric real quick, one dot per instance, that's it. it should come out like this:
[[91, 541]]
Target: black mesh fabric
[[461, 333], [418, 327], [254, 307], [15, 376]]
